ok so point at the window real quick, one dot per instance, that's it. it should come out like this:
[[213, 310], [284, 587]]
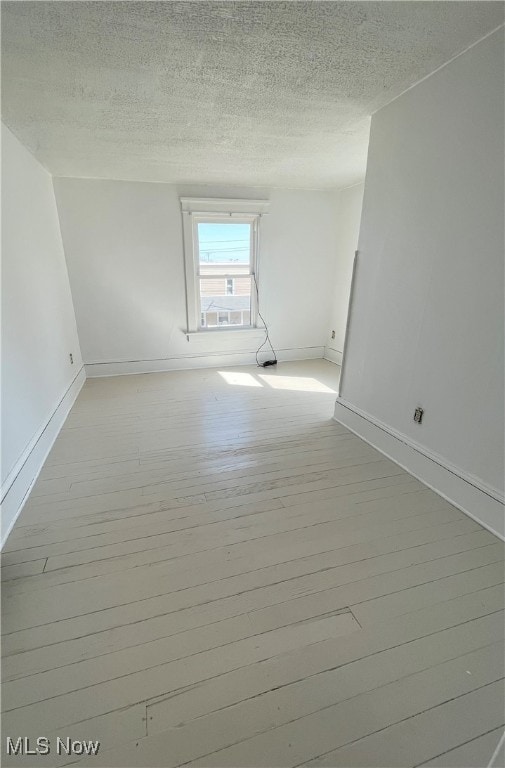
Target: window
[[221, 250]]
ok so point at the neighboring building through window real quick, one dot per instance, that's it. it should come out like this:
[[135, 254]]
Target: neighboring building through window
[[221, 246], [224, 249]]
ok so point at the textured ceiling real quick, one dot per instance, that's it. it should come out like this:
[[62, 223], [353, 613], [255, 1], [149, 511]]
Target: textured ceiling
[[250, 93]]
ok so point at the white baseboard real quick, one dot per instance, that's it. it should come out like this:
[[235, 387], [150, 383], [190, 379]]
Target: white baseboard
[[188, 362], [468, 493], [18, 484], [333, 355]]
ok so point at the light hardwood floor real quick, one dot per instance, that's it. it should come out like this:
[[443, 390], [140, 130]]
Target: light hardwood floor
[[212, 572]]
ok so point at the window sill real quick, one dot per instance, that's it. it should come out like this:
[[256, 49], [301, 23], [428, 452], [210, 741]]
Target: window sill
[[249, 331]]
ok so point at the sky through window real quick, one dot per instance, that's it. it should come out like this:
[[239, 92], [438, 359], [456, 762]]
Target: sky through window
[[221, 243]]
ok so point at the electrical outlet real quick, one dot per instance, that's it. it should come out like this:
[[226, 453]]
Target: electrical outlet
[[71, 359], [418, 415], [333, 334]]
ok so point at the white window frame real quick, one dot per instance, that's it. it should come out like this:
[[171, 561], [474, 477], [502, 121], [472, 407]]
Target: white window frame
[[218, 210]]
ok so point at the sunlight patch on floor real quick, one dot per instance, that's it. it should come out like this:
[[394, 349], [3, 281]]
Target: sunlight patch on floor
[[296, 383], [240, 379]]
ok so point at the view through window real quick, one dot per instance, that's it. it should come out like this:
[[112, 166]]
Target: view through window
[[224, 274]]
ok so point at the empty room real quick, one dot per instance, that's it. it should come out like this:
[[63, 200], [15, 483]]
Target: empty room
[[252, 384]]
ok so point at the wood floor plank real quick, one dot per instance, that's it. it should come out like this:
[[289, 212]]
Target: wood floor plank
[[180, 522], [159, 521], [67, 652], [79, 515], [171, 606], [206, 735], [420, 737], [318, 691], [305, 737], [208, 573], [23, 569], [131, 688], [220, 693], [343, 588], [283, 669], [180, 533], [184, 483], [473, 753], [147, 473]]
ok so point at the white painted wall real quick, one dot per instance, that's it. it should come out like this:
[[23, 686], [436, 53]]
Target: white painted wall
[[38, 322], [348, 204], [427, 323], [123, 244]]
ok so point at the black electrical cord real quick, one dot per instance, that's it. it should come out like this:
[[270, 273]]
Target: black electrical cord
[[267, 337]]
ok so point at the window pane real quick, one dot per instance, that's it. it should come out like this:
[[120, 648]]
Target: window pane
[[224, 256], [224, 248], [219, 308]]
